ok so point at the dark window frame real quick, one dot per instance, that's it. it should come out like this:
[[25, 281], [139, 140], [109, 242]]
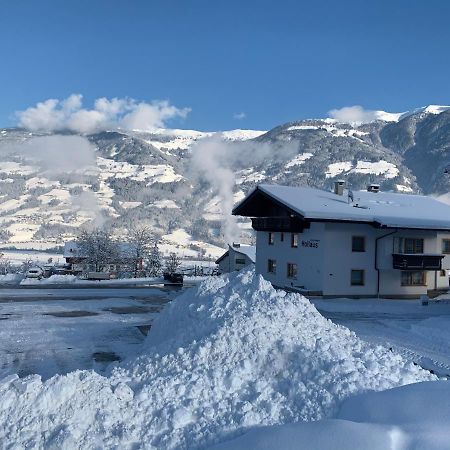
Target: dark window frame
[[444, 243], [410, 281], [292, 270], [414, 247], [355, 248], [363, 278], [239, 261], [271, 266], [271, 238]]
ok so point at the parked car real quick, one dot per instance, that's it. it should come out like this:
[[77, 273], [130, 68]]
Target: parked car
[[173, 278], [35, 272]]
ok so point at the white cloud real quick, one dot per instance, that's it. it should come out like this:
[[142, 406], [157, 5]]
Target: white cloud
[[353, 114], [357, 114], [69, 114], [240, 116]]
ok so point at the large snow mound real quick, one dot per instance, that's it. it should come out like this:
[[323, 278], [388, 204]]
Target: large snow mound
[[228, 355]]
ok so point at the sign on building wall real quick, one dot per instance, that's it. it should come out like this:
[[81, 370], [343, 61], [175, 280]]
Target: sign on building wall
[[311, 243]]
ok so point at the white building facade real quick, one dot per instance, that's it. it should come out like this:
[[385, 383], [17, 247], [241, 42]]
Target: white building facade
[[365, 244]]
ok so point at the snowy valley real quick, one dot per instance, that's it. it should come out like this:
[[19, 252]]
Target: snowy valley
[[169, 179]]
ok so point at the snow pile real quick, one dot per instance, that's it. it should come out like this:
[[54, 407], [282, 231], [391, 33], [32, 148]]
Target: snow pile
[[231, 354], [53, 279], [11, 278], [409, 417]]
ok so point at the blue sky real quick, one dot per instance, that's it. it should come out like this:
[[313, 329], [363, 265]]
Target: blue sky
[[272, 61]]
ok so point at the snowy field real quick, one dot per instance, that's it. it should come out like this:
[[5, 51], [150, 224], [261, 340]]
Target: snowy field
[[231, 364]]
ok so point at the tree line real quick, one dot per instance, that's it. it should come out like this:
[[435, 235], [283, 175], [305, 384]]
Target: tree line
[[138, 252]]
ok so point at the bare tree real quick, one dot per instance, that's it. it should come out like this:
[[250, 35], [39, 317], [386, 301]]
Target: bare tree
[[99, 248], [154, 264], [140, 241], [26, 265], [172, 263], [5, 265]]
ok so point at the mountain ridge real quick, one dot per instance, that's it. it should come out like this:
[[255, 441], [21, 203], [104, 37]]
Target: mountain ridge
[[153, 178]]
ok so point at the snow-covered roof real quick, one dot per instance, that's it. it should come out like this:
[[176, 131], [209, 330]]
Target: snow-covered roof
[[71, 249], [247, 250], [384, 208]]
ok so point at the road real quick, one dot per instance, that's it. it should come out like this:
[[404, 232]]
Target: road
[[49, 331]]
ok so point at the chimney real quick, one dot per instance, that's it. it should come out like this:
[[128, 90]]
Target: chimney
[[373, 188], [236, 245], [339, 187]]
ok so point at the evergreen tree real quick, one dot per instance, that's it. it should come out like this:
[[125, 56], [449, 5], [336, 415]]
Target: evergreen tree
[[172, 263], [154, 263]]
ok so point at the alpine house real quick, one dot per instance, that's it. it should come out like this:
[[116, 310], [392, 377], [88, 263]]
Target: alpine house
[[353, 244]]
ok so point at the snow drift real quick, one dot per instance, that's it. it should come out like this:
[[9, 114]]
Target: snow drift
[[53, 279], [408, 417], [229, 355]]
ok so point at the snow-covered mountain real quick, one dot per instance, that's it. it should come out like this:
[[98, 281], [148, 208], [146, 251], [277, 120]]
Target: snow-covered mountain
[[154, 177]]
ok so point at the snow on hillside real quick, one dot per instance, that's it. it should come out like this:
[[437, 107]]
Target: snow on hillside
[[161, 173], [387, 169], [184, 139], [299, 160], [341, 131], [243, 355], [430, 109], [241, 135]]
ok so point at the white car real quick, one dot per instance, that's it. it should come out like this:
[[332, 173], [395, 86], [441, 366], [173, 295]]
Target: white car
[[35, 272]]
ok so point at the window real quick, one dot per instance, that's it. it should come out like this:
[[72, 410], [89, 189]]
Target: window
[[271, 266], [408, 245], [443, 273], [291, 270], [410, 278], [357, 277], [294, 240], [413, 245], [446, 246], [282, 237], [240, 260], [358, 244], [271, 238]]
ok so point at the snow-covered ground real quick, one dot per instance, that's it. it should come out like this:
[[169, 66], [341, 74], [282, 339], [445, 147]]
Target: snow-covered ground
[[405, 418], [420, 333], [220, 360]]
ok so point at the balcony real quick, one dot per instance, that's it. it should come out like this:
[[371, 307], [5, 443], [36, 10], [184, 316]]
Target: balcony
[[289, 224], [417, 261]]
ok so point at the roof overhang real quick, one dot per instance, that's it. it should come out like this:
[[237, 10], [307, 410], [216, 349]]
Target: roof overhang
[[259, 203], [222, 257]]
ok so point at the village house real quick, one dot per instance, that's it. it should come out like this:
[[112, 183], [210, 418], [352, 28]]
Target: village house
[[236, 257], [352, 244], [78, 263]]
